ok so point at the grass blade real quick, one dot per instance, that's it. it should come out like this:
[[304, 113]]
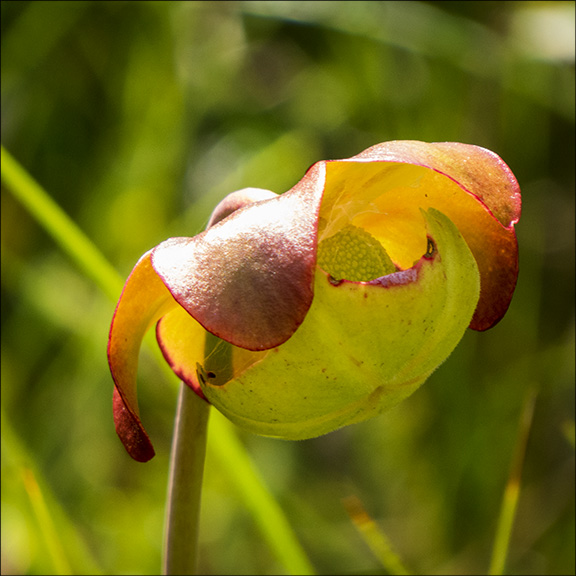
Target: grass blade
[[374, 537], [267, 513], [512, 490], [60, 226]]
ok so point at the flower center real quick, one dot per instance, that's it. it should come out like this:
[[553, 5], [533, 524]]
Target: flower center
[[354, 254]]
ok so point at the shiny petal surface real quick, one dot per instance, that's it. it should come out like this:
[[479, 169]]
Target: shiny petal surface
[[249, 278], [144, 300], [363, 347]]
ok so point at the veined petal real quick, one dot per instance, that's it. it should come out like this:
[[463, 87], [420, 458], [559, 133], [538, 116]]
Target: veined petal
[[144, 300], [363, 347]]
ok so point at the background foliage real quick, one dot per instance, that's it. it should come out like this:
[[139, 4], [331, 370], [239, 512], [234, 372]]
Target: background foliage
[[138, 117]]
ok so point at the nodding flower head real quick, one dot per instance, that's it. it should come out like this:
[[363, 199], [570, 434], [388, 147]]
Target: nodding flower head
[[299, 313]]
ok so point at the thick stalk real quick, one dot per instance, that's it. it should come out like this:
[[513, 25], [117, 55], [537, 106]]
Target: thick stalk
[[185, 484]]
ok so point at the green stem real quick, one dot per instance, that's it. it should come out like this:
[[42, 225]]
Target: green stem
[[185, 484]]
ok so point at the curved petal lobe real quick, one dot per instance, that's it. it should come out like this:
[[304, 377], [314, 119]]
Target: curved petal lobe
[[144, 300], [478, 170], [236, 200], [484, 178], [249, 278]]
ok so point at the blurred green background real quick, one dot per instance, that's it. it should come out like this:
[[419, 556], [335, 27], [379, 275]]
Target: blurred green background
[[138, 117]]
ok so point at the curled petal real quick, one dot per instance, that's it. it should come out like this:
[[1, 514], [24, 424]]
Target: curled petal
[[485, 177], [249, 278], [144, 300], [253, 318], [182, 341], [478, 170]]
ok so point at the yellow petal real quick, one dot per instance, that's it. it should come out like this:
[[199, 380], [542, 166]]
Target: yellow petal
[[383, 188]]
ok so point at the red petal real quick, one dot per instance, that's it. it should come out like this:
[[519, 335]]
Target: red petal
[[476, 169], [485, 176], [249, 278], [130, 430]]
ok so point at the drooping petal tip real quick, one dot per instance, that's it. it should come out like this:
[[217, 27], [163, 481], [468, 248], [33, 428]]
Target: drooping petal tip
[[143, 301], [130, 431]]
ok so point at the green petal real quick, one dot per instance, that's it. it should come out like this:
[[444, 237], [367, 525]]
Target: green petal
[[363, 347]]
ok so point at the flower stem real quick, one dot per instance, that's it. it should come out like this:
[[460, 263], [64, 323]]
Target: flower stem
[[185, 484]]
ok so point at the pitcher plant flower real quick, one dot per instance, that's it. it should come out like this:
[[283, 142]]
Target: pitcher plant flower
[[299, 313]]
